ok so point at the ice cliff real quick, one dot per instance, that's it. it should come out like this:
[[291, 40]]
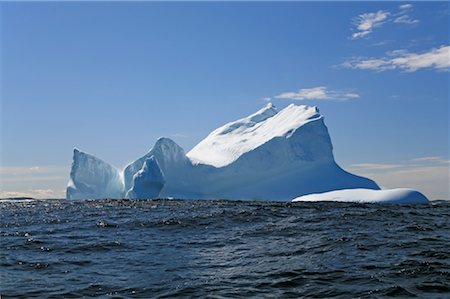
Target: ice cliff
[[269, 155], [91, 177]]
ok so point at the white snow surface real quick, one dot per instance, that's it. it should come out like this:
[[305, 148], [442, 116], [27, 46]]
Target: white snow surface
[[229, 142], [386, 196]]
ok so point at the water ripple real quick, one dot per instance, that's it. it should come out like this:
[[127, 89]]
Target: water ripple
[[222, 249]]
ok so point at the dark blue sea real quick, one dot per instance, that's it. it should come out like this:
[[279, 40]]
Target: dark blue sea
[[223, 249]]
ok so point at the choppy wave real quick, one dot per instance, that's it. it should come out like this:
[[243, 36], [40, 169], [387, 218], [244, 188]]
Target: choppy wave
[[172, 248]]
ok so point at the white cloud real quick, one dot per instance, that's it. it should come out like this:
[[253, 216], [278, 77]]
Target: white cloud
[[318, 93], [406, 19], [405, 6], [366, 22], [436, 58], [402, 16]]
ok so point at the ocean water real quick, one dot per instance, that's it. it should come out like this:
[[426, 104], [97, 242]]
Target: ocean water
[[222, 249]]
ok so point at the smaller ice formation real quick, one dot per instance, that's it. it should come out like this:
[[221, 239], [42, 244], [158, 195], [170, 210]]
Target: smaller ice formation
[[391, 196], [169, 158], [148, 181]]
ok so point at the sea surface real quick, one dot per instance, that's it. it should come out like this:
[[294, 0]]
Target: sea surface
[[223, 249]]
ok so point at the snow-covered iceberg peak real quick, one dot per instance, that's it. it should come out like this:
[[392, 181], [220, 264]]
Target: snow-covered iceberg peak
[[91, 177], [229, 142], [168, 150], [264, 113]]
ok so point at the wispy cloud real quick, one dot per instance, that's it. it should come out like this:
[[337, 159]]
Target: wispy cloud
[[318, 93], [34, 193], [406, 19], [429, 175], [381, 43], [432, 159], [433, 181], [374, 166], [403, 16], [366, 22], [420, 161], [436, 58], [34, 172], [33, 181], [406, 6]]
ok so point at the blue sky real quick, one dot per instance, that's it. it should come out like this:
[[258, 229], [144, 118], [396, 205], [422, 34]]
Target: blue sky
[[110, 78]]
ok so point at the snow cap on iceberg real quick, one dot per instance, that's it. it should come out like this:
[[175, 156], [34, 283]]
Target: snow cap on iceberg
[[391, 196], [229, 142]]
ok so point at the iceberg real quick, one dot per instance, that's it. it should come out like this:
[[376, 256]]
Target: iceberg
[[91, 177], [148, 181], [269, 155], [168, 155], [227, 143], [387, 196]]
